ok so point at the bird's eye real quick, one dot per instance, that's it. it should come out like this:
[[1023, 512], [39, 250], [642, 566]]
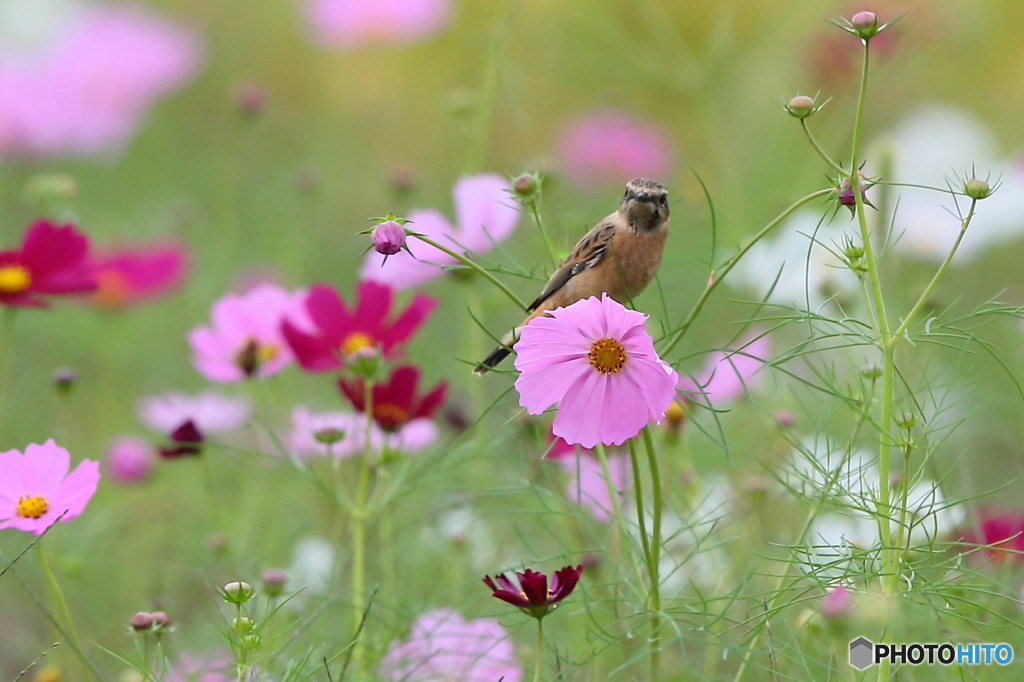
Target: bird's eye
[[663, 200]]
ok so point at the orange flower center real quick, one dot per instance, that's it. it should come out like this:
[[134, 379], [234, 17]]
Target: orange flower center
[[112, 289], [14, 279], [607, 356], [355, 342], [253, 354], [31, 506], [389, 413]]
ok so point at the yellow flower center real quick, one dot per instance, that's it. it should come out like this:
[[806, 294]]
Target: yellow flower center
[[253, 354], [355, 342], [607, 356], [112, 289], [14, 279], [31, 506]]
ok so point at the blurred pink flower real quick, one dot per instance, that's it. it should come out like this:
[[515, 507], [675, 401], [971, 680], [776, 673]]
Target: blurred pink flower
[[485, 214], [727, 375], [445, 647], [214, 667], [836, 603], [355, 23], [132, 274], [129, 459], [85, 89], [408, 438], [245, 339], [586, 484], [36, 488], [613, 147], [597, 361], [211, 412]]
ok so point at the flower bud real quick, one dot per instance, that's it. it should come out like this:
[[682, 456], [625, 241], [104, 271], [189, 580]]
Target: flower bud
[[402, 179], [526, 187], [675, 415], [160, 619], [871, 371], [329, 436], [251, 99], [845, 188], [242, 625], [252, 641], [784, 418], [865, 25], [238, 592], [64, 379], [836, 603], [906, 421], [273, 581], [801, 106], [977, 189], [141, 621], [388, 237]]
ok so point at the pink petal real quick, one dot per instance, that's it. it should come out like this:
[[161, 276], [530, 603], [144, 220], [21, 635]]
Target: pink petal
[[76, 490], [44, 467], [485, 212]]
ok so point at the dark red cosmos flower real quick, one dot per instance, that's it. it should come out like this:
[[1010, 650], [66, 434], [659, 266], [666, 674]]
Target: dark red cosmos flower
[[187, 439], [129, 275], [998, 531], [52, 260], [341, 333], [533, 595], [396, 402]]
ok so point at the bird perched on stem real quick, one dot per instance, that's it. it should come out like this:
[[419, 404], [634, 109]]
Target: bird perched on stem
[[618, 256]]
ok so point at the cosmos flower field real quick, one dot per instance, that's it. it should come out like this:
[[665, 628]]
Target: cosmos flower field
[[254, 256]]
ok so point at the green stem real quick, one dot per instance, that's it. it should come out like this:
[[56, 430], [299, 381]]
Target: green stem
[[6, 354], [821, 152], [472, 266], [540, 649], [477, 151], [655, 559], [535, 212], [359, 518], [723, 270], [638, 494], [57, 596], [620, 521]]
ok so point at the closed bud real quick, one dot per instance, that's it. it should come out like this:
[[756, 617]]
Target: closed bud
[[160, 619], [801, 106], [906, 421], [871, 371], [977, 189], [526, 187], [865, 24], [388, 237], [675, 415], [252, 641], [784, 419], [329, 436], [141, 621], [273, 581], [251, 99], [238, 592], [836, 603], [242, 625], [63, 379]]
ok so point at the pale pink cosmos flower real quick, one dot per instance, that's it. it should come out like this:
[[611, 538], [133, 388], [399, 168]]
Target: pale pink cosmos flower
[[485, 215], [586, 484], [445, 647], [213, 667], [82, 84], [409, 438], [354, 23], [596, 360], [129, 459], [36, 488], [211, 412], [727, 375], [244, 339], [611, 147]]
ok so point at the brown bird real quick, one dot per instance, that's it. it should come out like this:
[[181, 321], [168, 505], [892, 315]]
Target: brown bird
[[619, 256]]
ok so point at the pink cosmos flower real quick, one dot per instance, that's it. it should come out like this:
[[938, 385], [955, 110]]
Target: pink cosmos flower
[[597, 361], [486, 215], [1000, 531], [836, 602], [445, 647], [339, 334], [609, 146], [245, 339], [210, 411], [36, 488], [213, 667], [727, 375], [310, 428], [52, 260], [586, 484], [354, 23], [129, 459], [133, 274], [85, 87]]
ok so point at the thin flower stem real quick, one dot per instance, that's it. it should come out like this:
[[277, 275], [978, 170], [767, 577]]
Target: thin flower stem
[[638, 494], [472, 266], [540, 649], [718, 275], [480, 126], [6, 354], [821, 152], [359, 518], [620, 521], [535, 212], [655, 559], [57, 596]]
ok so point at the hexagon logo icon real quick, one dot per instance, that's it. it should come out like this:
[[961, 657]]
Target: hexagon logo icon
[[862, 653]]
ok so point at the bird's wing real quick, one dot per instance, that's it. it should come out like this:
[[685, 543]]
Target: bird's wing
[[586, 254]]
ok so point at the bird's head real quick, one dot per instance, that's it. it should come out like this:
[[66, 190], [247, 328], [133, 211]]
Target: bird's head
[[645, 204]]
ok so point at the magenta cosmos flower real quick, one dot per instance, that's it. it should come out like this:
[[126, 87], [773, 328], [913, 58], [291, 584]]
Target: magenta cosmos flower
[[133, 274], [36, 488], [397, 401], [586, 484], [596, 360], [340, 333], [532, 594], [354, 23], [1000, 533], [244, 339], [52, 259], [82, 77], [727, 375], [610, 146], [485, 214]]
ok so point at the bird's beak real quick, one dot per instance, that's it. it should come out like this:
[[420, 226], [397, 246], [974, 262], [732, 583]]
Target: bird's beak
[[642, 196]]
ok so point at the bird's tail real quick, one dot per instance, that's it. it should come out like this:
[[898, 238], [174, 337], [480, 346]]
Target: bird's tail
[[498, 354]]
